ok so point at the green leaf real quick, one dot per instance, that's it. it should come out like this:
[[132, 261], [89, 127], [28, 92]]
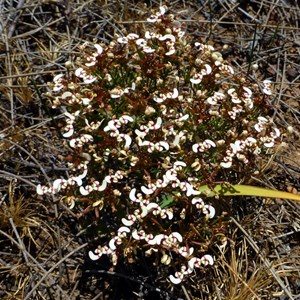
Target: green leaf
[[166, 201], [226, 189]]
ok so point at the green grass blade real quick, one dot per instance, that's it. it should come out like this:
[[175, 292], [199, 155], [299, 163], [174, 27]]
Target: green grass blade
[[226, 189]]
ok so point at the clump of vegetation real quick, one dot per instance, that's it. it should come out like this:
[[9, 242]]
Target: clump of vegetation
[[151, 118]]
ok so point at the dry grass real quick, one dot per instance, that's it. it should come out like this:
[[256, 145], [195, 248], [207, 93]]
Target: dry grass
[[43, 251]]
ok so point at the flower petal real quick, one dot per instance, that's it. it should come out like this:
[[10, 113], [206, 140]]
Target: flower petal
[[174, 280], [127, 222], [94, 256]]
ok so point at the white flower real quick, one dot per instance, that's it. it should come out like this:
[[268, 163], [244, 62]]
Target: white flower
[[132, 36], [70, 131], [130, 221], [111, 125], [94, 256], [116, 93], [41, 190], [86, 190], [248, 92], [112, 245], [160, 146], [198, 202], [175, 280], [262, 121], [171, 51], [141, 42], [231, 91], [207, 260], [201, 147], [175, 237], [185, 251], [207, 70], [227, 163], [157, 239], [125, 137], [167, 37], [71, 181], [160, 99], [89, 79], [275, 133], [80, 72], [148, 49], [101, 187], [93, 59], [85, 101], [171, 175], [151, 35], [196, 79], [267, 87], [125, 119], [154, 18], [58, 82], [138, 235], [150, 190], [209, 211], [269, 142], [166, 259], [122, 40], [155, 126], [122, 231], [250, 141], [215, 98]]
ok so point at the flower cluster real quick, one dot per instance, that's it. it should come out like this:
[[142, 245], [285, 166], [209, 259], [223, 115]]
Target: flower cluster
[[152, 117]]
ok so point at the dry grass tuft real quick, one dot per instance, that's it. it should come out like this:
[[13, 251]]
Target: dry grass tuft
[[242, 278]]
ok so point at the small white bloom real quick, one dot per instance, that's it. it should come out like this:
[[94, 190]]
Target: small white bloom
[[176, 235], [99, 48], [122, 40], [116, 93], [148, 49], [207, 70], [186, 252], [70, 131], [267, 87], [80, 72], [196, 79], [84, 191], [128, 222], [89, 79], [153, 206], [171, 51], [207, 260], [195, 147], [175, 280], [157, 239], [166, 259], [248, 92], [171, 175], [148, 191], [122, 231], [101, 187], [112, 245], [227, 163], [209, 211], [125, 119], [41, 190], [167, 37], [94, 256]]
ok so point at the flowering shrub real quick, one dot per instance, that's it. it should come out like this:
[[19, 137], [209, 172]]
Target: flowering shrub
[[150, 118]]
